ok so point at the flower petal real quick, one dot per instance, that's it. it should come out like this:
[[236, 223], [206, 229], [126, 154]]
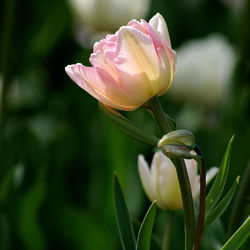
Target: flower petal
[[99, 59], [101, 85], [145, 176], [159, 25], [137, 64], [192, 175], [157, 162], [137, 25], [166, 55], [211, 174], [170, 189]]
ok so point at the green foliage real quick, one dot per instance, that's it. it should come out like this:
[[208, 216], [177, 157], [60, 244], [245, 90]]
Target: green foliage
[[214, 236], [123, 218], [58, 151], [124, 224], [239, 237], [128, 127], [220, 180], [145, 232], [219, 209]]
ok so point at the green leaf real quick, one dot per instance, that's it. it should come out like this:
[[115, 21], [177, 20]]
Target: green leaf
[[220, 208], [239, 237], [145, 232], [214, 236], [128, 127], [220, 181], [171, 122], [123, 220]]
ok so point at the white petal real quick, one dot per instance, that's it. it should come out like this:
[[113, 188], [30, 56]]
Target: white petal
[[192, 169], [211, 174], [170, 189], [156, 176], [145, 177], [158, 23], [138, 64]]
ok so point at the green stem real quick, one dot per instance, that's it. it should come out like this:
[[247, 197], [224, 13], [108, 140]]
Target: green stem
[[241, 202], [160, 115], [201, 217], [168, 229], [182, 174]]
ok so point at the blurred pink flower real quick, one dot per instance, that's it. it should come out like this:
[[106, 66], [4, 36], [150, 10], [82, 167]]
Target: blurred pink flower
[[129, 67]]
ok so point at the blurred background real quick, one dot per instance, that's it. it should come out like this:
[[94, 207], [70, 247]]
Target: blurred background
[[58, 151]]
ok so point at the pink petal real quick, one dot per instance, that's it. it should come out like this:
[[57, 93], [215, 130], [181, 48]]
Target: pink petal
[[137, 64], [159, 25], [101, 85], [150, 31], [137, 25], [168, 62], [105, 61]]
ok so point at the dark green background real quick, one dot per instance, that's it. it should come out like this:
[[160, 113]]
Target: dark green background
[[58, 151]]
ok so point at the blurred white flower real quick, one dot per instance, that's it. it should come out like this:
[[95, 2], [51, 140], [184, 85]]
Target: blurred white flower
[[96, 18], [235, 5], [204, 71], [161, 183]]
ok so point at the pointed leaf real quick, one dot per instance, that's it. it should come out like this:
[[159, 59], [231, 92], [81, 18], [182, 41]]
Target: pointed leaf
[[239, 237], [171, 122], [128, 127], [220, 181], [220, 208], [145, 232], [123, 220]]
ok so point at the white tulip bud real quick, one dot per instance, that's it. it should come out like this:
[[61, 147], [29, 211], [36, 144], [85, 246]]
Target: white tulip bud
[[160, 182]]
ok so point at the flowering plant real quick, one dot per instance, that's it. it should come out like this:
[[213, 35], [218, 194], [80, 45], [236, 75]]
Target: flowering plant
[[131, 69]]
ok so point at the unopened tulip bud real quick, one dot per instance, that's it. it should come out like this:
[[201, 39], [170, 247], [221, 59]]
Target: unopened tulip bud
[[178, 143]]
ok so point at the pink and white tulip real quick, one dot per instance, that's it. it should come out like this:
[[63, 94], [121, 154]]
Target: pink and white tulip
[[160, 182], [129, 67]]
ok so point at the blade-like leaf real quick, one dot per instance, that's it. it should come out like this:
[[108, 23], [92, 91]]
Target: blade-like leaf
[[128, 127], [123, 218], [145, 232], [239, 237], [220, 181], [171, 122], [220, 208]]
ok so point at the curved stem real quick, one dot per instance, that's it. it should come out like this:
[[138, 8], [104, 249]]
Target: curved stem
[[182, 174], [168, 229], [201, 217], [159, 115]]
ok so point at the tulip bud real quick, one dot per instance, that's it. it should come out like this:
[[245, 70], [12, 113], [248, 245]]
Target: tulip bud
[[177, 144], [160, 182]]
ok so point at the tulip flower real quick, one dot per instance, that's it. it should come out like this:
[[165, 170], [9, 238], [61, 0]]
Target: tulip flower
[[129, 67], [160, 183], [205, 71]]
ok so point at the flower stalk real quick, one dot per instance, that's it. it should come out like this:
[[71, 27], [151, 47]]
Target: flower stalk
[[182, 174], [201, 216], [168, 229]]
